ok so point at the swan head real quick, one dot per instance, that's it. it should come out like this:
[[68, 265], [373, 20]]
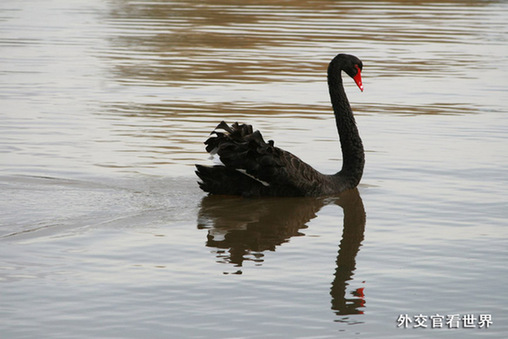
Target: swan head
[[349, 64]]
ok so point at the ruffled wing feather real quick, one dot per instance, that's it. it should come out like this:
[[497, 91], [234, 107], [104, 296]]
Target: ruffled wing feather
[[256, 167]]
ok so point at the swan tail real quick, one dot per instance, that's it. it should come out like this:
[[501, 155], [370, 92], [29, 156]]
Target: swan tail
[[226, 181]]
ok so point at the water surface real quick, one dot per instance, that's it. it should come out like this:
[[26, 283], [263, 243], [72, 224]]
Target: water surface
[[104, 108]]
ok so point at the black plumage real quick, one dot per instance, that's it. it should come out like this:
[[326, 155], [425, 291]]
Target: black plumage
[[252, 167]]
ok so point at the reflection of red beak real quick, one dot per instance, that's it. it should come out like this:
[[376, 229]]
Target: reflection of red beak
[[359, 292], [358, 78]]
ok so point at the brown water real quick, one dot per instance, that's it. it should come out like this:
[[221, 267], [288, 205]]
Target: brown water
[[104, 107]]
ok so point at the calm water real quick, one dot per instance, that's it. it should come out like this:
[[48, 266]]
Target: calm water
[[104, 106]]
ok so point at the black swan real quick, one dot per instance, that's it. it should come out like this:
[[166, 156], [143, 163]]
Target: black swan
[[252, 167]]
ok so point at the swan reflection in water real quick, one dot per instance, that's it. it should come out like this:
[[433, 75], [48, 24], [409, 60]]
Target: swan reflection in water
[[242, 229]]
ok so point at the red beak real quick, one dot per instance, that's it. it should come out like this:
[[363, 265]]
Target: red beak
[[358, 78]]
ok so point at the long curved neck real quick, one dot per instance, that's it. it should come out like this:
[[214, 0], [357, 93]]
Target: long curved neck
[[353, 157]]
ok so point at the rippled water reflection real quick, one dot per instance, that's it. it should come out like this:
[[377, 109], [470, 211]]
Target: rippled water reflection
[[104, 108]]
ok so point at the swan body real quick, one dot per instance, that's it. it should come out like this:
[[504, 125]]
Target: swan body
[[252, 167]]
